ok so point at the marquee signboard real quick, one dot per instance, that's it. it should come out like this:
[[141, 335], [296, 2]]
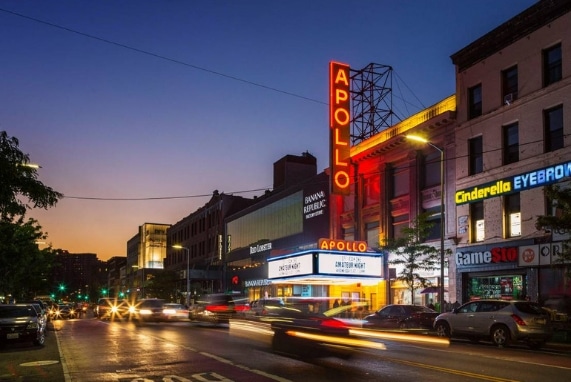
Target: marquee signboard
[[339, 127], [326, 264], [353, 265]]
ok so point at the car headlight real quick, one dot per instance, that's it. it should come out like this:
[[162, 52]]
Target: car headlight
[[169, 311], [114, 309], [146, 311], [132, 309], [32, 325]]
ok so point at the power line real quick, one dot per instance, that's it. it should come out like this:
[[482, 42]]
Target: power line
[[161, 197], [156, 55]]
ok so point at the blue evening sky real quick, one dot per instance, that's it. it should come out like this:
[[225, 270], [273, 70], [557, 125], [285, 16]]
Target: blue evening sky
[[141, 99]]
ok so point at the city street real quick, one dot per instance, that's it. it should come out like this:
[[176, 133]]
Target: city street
[[94, 350]]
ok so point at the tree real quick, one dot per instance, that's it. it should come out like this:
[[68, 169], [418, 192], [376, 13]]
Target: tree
[[560, 199], [18, 180], [414, 256], [23, 266]]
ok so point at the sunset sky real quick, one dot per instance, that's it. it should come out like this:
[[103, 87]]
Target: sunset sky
[[138, 110]]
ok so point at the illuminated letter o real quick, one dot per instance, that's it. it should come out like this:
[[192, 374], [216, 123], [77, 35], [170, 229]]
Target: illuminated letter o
[[345, 120], [342, 179]]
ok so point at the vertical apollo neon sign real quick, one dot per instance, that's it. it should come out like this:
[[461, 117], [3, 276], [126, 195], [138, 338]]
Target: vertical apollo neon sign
[[339, 128]]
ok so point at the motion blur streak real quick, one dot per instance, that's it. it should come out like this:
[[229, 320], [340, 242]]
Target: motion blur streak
[[252, 327], [338, 340], [400, 336]]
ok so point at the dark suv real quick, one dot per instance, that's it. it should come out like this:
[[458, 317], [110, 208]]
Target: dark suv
[[21, 322]]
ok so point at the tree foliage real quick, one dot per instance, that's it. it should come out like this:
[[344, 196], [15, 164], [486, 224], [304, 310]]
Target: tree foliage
[[414, 256], [560, 199], [23, 266], [18, 181]]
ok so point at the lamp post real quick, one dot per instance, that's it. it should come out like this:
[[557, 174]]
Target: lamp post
[[442, 218], [178, 246]]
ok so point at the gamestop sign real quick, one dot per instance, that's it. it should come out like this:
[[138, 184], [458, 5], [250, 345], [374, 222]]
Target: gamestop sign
[[493, 256], [339, 127]]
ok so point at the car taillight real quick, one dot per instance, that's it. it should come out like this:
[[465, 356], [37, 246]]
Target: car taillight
[[332, 323], [518, 320], [217, 308]]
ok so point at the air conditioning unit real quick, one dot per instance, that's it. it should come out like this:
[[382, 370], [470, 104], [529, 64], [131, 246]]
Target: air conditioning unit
[[508, 98]]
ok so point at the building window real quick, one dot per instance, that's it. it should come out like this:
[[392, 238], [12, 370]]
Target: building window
[[431, 174], [509, 85], [552, 65], [477, 221], [475, 101], [553, 120], [349, 200], [349, 234], [400, 180], [372, 232], [399, 222], [513, 215], [372, 186], [511, 143], [475, 155], [434, 219]]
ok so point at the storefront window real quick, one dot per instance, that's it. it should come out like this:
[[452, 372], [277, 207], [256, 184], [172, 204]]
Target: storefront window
[[504, 287]]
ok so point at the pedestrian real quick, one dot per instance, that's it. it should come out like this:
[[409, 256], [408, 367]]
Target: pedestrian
[[431, 305]]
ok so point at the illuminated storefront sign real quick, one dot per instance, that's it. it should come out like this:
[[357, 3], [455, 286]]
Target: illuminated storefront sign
[[314, 204], [540, 254], [291, 266], [342, 245], [494, 256], [339, 127], [257, 283], [354, 265], [260, 248], [517, 183]]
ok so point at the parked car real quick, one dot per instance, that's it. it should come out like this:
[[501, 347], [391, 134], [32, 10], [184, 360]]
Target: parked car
[[216, 309], [19, 323], [500, 321], [306, 334], [149, 309], [401, 317], [175, 312]]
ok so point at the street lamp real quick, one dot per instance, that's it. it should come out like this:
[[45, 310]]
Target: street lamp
[[178, 246], [442, 219]]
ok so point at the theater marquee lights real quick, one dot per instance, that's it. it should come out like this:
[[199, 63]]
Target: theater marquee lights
[[339, 127]]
